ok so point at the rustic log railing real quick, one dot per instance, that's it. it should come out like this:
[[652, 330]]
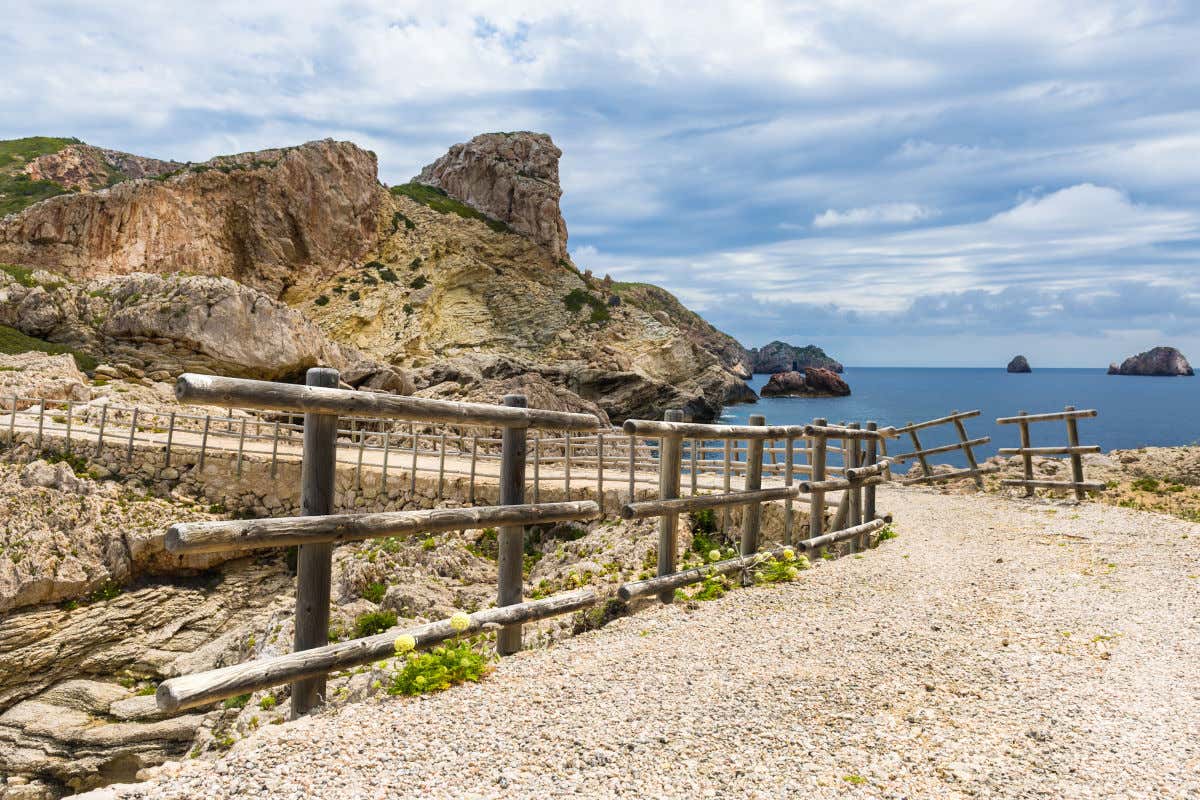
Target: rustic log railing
[[317, 530], [965, 445], [1073, 449]]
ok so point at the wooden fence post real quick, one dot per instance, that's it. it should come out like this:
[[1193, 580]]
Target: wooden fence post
[[916, 440], [204, 439], [41, 421], [752, 513], [1076, 458], [70, 409], [474, 459], [362, 445], [970, 454], [132, 431], [412, 477], [537, 466], [275, 449], [100, 433], [1026, 457], [632, 468], [241, 446], [511, 538], [670, 461], [600, 472], [387, 434], [441, 465], [854, 493], [728, 468], [567, 464], [314, 562], [872, 458], [816, 505], [788, 515], [170, 438]]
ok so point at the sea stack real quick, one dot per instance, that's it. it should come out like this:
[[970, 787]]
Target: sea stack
[[1161, 361], [812, 382], [1019, 364]]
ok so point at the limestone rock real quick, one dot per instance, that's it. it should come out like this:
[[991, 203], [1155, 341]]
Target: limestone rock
[[259, 218], [84, 168], [40, 375], [782, 357], [512, 177], [813, 382], [1019, 364], [1162, 361]]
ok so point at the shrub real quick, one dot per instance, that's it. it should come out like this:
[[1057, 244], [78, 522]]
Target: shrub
[[439, 201], [439, 669], [354, 296], [375, 592], [323, 300], [386, 274], [1146, 484], [398, 218], [781, 570], [419, 282], [236, 702], [373, 622], [267, 703], [885, 533], [13, 341], [576, 299]]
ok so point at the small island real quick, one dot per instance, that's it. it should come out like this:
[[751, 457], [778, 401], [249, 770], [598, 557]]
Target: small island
[[1160, 361], [783, 357], [812, 382], [1019, 364]]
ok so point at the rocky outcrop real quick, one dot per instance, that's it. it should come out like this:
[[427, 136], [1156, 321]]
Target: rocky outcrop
[[511, 177], [176, 323], [40, 375], [84, 168], [260, 219], [1161, 361], [782, 357], [1019, 364], [813, 382]]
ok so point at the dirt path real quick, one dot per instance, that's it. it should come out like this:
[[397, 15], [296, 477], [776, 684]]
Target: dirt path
[[997, 648]]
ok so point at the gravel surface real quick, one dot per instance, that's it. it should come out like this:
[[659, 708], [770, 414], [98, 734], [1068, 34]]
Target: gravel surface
[[997, 648]]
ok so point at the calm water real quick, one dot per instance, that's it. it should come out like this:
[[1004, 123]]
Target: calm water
[[1134, 411]]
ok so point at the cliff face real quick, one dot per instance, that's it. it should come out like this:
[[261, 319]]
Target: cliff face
[[461, 277], [511, 177], [1160, 361], [782, 357], [257, 218]]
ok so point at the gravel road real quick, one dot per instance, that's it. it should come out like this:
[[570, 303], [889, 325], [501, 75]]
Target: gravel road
[[997, 648]]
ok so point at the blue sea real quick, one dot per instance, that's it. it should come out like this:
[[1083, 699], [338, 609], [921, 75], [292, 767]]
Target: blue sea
[[1133, 411]]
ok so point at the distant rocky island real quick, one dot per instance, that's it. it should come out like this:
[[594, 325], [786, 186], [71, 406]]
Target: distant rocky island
[[782, 357], [1159, 361], [1019, 364], [810, 382]]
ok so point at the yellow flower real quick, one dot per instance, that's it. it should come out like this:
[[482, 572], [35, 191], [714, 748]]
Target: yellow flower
[[714, 555], [789, 554], [404, 643], [460, 622]]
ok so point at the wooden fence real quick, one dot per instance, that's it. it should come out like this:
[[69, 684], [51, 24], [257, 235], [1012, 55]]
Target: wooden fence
[[317, 530], [1073, 449], [965, 445]]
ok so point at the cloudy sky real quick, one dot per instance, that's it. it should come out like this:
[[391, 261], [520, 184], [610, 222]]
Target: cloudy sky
[[941, 183]]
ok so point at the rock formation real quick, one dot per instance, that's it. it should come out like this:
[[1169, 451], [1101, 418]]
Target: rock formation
[[511, 177], [84, 168], [813, 382], [782, 357], [178, 323], [1163, 361], [40, 375], [259, 218], [1019, 364]]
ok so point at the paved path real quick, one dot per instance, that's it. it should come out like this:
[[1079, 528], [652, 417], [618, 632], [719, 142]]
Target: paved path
[[998, 648]]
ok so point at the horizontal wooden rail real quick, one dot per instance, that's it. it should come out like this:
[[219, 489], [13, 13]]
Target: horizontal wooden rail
[[929, 423], [220, 535], [189, 691], [1087, 486], [952, 476], [870, 470], [697, 430], [1078, 414], [827, 539], [295, 399], [656, 508], [835, 432], [946, 448], [669, 583], [836, 485], [1050, 451]]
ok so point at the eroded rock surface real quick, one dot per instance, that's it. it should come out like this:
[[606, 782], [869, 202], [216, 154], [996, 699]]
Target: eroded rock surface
[[813, 382], [1159, 361], [783, 357], [39, 375]]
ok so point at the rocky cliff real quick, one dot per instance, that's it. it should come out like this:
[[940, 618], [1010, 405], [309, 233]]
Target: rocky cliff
[[259, 218], [812, 382], [461, 277], [783, 357], [1160, 361]]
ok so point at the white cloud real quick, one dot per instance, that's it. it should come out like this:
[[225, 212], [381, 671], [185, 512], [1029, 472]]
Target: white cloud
[[885, 214]]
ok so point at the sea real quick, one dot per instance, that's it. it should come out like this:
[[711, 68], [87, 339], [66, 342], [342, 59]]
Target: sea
[[1133, 411]]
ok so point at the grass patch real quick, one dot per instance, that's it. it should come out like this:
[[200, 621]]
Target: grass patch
[[323, 300], [1146, 484], [22, 275], [17, 190], [443, 203], [885, 533], [373, 622], [236, 702], [576, 299], [12, 341], [439, 669], [375, 592], [419, 282]]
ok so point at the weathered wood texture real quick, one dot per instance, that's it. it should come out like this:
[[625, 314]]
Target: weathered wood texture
[[752, 515], [268, 395], [945, 448], [847, 433], [670, 461], [510, 563], [1049, 451], [655, 508], [951, 476], [190, 691], [930, 423], [314, 561], [853, 532], [816, 507], [222, 535], [1057, 415]]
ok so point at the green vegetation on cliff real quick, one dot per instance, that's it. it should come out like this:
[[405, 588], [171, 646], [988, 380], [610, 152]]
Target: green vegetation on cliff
[[12, 341], [17, 190], [443, 203]]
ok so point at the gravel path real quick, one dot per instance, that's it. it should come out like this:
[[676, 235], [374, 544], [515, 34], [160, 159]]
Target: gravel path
[[997, 648]]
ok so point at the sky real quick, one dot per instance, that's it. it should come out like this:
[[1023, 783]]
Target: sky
[[902, 183]]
